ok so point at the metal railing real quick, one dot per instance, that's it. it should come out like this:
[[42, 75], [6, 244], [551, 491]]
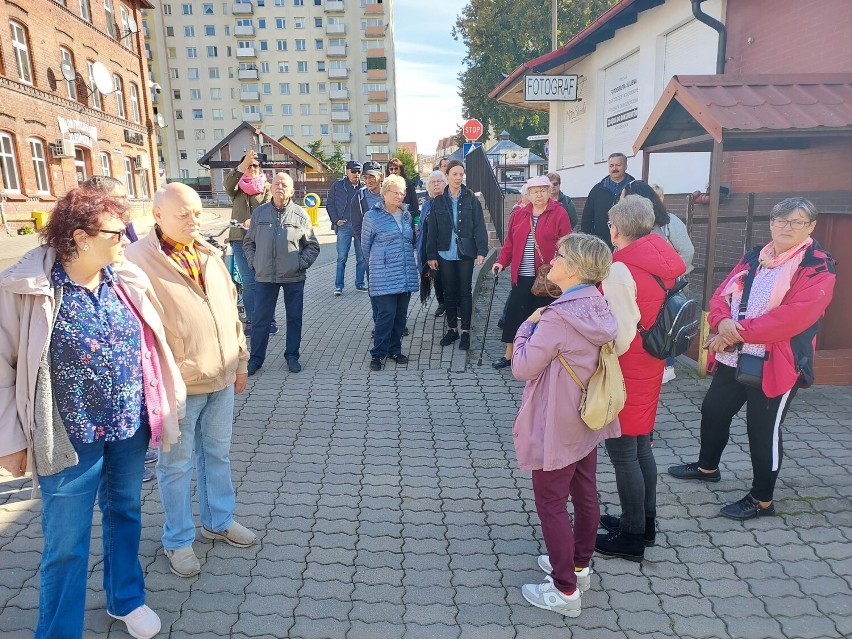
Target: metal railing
[[480, 178]]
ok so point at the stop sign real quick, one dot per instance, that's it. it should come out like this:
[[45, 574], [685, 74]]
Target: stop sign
[[472, 130]]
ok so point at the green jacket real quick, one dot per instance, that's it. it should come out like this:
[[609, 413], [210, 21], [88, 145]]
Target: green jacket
[[243, 204]]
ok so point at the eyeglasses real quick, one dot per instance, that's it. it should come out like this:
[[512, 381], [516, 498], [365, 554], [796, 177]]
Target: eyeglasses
[[394, 168], [254, 166], [120, 235], [781, 223], [558, 254], [398, 193], [609, 224]]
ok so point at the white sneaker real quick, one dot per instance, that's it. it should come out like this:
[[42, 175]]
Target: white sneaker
[[547, 597], [668, 374], [584, 576], [142, 623]]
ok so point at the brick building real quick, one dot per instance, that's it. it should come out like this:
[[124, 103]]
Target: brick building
[[56, 128]]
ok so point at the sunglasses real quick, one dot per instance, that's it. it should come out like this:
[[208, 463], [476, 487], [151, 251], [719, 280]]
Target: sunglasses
[[394, 168], [254, 166]]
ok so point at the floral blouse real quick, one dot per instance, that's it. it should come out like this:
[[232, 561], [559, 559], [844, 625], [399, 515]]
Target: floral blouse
[[95, 361]]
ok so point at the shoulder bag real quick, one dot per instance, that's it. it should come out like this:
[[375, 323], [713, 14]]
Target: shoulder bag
[[749, 370], [543, 287], [465, 246], [605, 396]]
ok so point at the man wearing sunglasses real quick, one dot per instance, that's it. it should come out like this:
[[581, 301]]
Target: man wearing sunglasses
[[341, 193]]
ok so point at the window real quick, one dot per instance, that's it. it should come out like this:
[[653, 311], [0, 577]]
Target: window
[[186, 9], [178, 114], [191, 52], [304, 109], [268, 109], [318, 44], [96, 95], [106, 167], [264, 45], [321, 66], [323, 129], [318, 23], [219, 134], [207, 9], [302, 66], [66, 59], [189, 32], [300, 45], [209, 30], [143, 185], [283, 67], [215, 94], [281, 45], [171, 52], [266, 88], [298, 3], [264, 67], [134, 103], [279, 3], [192, 73], [8, 164], [22, 52], [184, 173], [200, 134], [218, 114], [176, 94], [299, 23], [126, 31], [286, 109], [167, 9], [85, 10], [284, 88], [195, 94], [197, 114], [280, 23], [340, 128], [323, 109], [213, 73], [212, 52], [118, 92], [307, 130], [304, 88], [39, 165], [109, 14], [287, 129], [180, 134], [128, 178]]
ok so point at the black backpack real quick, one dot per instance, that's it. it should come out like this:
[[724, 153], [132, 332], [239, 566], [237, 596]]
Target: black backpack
[[676, 325]]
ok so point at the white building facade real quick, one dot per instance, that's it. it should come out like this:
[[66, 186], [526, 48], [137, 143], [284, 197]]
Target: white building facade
[[308, 69]]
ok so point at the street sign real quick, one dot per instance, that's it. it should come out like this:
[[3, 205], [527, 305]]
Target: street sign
[[467, 147], [536, 138], [550, 88], [472, 130]]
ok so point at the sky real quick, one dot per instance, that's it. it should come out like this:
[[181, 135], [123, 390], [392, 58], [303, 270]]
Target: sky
[[428, 61]]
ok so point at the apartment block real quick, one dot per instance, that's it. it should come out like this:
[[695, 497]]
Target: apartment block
[[308, 69]]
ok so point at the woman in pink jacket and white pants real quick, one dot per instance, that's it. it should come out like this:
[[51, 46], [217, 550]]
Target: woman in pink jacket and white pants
[[551, 439]]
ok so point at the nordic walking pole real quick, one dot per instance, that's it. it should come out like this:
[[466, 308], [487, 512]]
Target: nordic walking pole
[[487, 318]]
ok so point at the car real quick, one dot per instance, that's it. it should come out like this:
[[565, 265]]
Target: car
[[511, 188]]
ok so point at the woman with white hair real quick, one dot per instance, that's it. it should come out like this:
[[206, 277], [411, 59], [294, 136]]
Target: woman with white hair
[[435, 185]]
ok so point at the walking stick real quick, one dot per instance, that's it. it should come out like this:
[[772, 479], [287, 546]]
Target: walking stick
[[487, 318]]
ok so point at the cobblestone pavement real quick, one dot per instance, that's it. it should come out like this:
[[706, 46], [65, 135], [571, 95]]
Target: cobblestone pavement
[[389, 505]]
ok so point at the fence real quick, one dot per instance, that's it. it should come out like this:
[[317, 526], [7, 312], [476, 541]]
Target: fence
[[480, 178]]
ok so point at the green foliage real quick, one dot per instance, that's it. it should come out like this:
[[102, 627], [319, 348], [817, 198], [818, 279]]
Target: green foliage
[[408, 161], [337, 162], [499, 36], [317, 151]]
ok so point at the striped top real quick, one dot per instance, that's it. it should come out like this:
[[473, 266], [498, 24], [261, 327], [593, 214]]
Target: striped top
[[527, 267]]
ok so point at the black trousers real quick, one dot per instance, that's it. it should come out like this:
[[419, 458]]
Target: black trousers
[[764, 417], [457, 280]]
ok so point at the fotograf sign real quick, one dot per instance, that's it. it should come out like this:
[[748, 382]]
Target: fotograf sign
[[550, 88]]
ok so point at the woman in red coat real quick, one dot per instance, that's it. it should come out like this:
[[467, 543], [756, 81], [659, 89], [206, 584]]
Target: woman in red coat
[[530, 242], [643, 263]]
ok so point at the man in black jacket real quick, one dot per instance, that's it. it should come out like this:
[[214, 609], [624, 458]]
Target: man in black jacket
[[337, 205], [602, 197]]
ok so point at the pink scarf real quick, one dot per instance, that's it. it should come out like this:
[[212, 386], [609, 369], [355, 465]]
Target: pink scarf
[[252, 185], [787, 263]]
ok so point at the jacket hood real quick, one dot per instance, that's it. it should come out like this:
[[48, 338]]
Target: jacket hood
[[653, 254], [588, 313], [31, 274]]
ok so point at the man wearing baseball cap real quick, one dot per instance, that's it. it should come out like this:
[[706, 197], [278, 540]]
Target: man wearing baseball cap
[[341, 193], [367, 197]]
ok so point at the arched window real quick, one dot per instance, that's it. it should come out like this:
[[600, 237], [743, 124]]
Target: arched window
[[37, 150], [106, 165], [66, 58], [22, 52], [9, 164], [134, 103], [118, 87]]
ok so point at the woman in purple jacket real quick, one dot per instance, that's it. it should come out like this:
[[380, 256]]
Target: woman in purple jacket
[[551, 439]]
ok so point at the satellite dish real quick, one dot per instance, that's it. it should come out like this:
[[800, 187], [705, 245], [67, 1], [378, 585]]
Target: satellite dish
[[132, 27], [161, 121], [102, 78], [68, 71]]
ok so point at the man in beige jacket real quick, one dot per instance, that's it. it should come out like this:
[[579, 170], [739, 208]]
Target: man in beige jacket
[[194, 295]]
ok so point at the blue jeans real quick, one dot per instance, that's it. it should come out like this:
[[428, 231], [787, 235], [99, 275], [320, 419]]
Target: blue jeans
[[344, 243], [206, 433], [112, 471], [267, 298], [247, 275], [390, 315]]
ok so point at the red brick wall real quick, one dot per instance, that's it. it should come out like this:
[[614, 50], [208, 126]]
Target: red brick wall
[[33, 111], [788, 36]]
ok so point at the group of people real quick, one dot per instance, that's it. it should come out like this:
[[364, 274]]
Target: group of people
[[763, 320]]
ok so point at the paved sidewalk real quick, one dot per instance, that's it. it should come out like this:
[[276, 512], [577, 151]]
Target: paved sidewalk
[[389, 505]]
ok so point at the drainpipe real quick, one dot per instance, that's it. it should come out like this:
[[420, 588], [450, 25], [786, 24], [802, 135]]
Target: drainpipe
[[714, 24]]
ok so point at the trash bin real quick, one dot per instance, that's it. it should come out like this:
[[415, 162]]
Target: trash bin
[[40, 219], [312, 203]]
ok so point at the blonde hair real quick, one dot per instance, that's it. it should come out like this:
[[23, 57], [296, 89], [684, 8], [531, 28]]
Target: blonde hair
[[393, 180], [587, 255], [659, 191]]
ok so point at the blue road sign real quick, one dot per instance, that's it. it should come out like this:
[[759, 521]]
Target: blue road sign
[[470, 146]]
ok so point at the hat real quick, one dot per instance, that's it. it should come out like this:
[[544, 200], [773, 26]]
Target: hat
[[374, 168], [352, 165], [540, 180]]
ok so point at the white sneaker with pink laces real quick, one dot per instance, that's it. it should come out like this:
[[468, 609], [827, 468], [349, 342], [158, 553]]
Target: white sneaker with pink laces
[[142, 623]]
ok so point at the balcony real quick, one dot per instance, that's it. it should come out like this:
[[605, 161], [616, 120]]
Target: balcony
[[337, 74], [379, 138], [247, 74], [243, 30], [373, 9], [375, 32], [336, 52], [380, 157], [377, 117], [335, 29], [376, 52], [334, 6], [377, 74], [242, 8], [341, 137], [377, 96], [246, 53], [342, 116], [252, 117], [249, 96], [338, 94]]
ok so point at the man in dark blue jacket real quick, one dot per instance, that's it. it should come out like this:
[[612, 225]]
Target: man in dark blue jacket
[[603, 196], [337, 205]]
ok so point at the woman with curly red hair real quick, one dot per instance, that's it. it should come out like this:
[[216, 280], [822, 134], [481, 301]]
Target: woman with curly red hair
[[86, 380]]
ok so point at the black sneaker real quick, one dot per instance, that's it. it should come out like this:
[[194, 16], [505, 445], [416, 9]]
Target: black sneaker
[[406, 332], [440, 310], [501, 363], [376, 364], [613, 524], [399, 358], [747, 508], [464, 343], [450, 337], [621, 544], [690, 471], [253, 367]]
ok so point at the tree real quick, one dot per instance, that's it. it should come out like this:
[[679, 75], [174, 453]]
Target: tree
[[317, 151], [408, 161], [337, 163], [499, 36]]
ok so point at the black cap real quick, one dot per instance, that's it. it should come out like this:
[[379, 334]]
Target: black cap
[[353, 165]]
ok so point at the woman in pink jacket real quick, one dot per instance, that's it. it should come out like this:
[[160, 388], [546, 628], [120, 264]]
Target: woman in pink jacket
[[551, 439]]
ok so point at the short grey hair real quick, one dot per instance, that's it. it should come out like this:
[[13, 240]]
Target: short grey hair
[[792, 204], [633, 216], [618, 155], [436, 174], [587, 255]]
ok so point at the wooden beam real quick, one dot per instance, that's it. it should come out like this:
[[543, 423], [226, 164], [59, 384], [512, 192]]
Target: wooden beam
[[675, 145]]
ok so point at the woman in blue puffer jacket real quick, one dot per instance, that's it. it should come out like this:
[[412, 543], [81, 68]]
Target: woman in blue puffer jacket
[[387, 243]]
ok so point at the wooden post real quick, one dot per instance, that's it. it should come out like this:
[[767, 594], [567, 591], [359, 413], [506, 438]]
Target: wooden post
[[710, 253], [749, 229], [646, 165]]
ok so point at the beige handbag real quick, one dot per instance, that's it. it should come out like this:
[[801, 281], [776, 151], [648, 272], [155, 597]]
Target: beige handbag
[[605, 396]]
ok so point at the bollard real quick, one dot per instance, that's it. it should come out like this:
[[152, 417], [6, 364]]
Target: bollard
[[312, 203]]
